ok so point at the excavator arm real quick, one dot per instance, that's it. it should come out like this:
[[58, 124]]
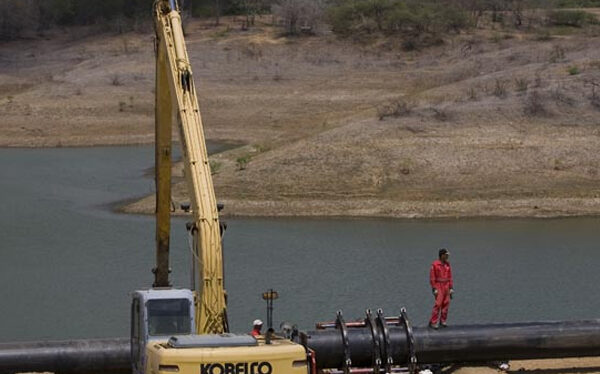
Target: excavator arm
[[176, 94]]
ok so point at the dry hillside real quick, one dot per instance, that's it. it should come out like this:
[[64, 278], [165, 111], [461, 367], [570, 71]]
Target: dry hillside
[[490, 123]]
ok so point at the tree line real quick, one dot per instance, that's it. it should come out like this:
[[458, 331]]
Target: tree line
[[345, 16], [17, 16]]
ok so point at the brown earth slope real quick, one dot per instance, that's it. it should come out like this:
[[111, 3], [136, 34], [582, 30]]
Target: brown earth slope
[[491, 123]]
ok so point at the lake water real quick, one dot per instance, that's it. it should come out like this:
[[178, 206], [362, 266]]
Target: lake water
[[68, 263]]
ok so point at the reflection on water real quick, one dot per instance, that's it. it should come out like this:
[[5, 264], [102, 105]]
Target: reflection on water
[[69, 263]]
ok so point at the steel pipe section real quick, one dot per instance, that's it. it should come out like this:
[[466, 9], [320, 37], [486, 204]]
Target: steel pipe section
[[363, 346], [467, 343], [70, 356]]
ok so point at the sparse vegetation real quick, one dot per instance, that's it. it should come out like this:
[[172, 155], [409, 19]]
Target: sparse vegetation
[[419, 22], [472, 94], [561, 97], [242, 162], [222, 32], [573, 70], [397, 108], [593, 97], [557, 54], [441, 114], [558, 165], [521, 84], [299, 16], [215, 166], [543, 35], [499, 88], [261, 148], [115, 80], [573, 18], [577, 3], [538, 81], [534, 104], [498, 37]]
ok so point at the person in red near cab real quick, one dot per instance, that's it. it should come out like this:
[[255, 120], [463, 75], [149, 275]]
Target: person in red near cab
[[440, 278], [256, 326]]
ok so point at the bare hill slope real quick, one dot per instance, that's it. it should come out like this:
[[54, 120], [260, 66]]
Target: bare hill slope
[[491, 123]]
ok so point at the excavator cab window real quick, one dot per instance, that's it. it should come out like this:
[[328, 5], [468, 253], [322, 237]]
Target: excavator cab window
[[168, 317]]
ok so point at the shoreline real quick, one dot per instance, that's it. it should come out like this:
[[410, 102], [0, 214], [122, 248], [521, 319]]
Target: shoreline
[[547, 208]]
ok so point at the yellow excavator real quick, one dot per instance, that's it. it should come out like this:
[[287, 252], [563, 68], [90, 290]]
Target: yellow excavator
[[182, 330]]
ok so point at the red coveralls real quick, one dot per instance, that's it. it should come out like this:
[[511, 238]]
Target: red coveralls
[[440, 277]]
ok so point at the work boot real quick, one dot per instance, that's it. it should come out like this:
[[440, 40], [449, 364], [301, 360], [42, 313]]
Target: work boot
[[443, 324], [433, 326]]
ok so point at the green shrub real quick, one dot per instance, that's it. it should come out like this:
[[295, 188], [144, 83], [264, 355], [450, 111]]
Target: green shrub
[[577, 3], [399, 19], [342, 18], [573, 70], [407, 17], [455, 19], [573, 18], [543, 35], [521, 84], [215, 166], [242, 162], [203, 10], [409, 44]]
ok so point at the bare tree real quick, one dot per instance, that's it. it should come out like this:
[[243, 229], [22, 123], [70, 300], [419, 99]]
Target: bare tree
[[299, 15], [252, 8], [217, 12]]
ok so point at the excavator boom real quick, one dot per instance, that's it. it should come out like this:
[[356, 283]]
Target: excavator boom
[[175, 89]]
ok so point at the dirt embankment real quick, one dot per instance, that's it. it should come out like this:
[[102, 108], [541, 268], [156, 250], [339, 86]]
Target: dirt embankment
[[491, 123]]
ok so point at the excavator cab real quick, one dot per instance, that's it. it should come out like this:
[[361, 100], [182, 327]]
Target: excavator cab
[[157, 315]]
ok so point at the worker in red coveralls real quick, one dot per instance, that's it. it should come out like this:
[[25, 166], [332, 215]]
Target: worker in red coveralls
[[440, 278]]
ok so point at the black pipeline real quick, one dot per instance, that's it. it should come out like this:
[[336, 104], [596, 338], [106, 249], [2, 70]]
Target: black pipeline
[[72, 356], [374, 343]]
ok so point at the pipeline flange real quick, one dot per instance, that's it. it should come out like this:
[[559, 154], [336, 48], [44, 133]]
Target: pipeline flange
[[387, 351], [370, 322], [341, 325], [410, 341]]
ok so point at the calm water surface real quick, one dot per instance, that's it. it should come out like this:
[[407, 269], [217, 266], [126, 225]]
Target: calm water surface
[[69, 263]]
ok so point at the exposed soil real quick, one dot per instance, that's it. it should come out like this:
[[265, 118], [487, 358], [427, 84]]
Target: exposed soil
[[490, 123], [587, 365], [584, 365]]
